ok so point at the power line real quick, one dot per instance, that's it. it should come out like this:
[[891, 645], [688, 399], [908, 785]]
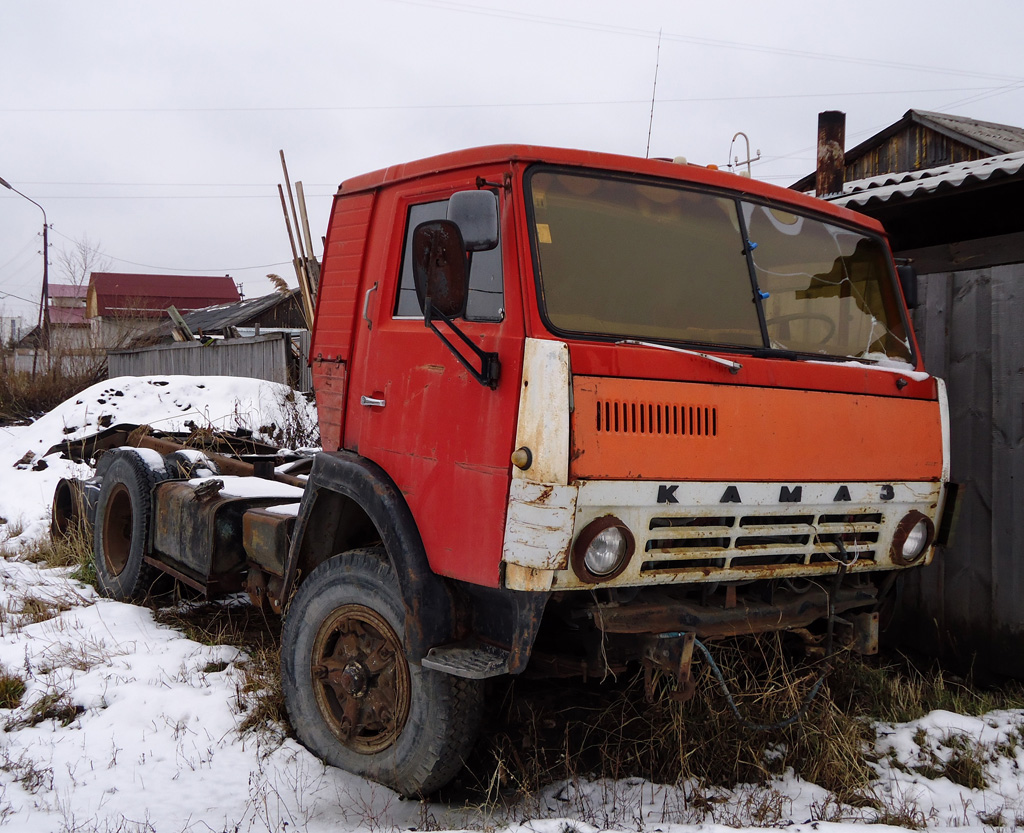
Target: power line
[[491, 104], [170, 196], [12, 295], [451, 5], [217, 270], [20, 252], [269, 185]]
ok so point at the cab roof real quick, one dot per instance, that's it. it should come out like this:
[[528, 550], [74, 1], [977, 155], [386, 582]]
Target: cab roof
[[565, 157]]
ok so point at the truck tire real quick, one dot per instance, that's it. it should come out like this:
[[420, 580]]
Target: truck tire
[[353, 697], [121, 533], [68, 518]]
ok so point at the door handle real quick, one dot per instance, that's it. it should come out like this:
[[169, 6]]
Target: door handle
[[366, 306], [370, 402]]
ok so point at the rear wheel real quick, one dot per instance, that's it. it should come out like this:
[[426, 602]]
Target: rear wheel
[[121, 533], [353, 697]]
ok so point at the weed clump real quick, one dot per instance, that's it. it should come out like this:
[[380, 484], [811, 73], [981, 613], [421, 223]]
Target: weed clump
[[55, 705], [72, 549], [542, 731], [24, 395], [12, 689], [259, 695]]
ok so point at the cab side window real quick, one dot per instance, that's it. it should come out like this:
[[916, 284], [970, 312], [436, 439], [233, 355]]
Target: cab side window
[[486, 296]]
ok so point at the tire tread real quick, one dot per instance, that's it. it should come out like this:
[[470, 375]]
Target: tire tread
[[450, 715]]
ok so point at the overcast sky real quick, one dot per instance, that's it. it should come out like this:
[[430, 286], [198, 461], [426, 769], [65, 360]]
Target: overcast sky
[[153, 129]]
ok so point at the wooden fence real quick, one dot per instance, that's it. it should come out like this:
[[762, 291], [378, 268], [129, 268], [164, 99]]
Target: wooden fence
[[275, 357], [969, 605]]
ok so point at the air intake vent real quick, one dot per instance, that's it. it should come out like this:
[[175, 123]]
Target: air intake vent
[[618, 417]]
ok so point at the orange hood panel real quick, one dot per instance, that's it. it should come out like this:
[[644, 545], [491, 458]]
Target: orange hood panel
[[655, 430]]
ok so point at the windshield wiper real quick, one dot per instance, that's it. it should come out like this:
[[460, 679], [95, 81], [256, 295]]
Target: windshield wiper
[[776, 353], [734, 367]]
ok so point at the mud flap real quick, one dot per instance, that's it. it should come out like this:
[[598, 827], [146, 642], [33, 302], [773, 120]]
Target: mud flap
[[672, 654]]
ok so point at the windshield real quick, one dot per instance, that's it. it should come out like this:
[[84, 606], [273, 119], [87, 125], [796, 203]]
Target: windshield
[[650, 260]]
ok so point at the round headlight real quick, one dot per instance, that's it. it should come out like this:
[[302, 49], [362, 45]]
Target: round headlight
[[605, 552], [912, 537], [602, 550], [916, 540]]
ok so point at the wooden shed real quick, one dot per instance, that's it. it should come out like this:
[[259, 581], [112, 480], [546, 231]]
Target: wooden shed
[[922, 140], [961, 224]]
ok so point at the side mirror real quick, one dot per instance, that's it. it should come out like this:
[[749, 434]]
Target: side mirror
[[439, 267], [476, 214], [908, 282]]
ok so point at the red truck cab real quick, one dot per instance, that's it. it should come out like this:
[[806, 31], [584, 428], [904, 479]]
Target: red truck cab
[[587, 410], [809, 378]]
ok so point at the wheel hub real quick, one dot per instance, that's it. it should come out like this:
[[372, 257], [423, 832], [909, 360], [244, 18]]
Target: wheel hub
[[355, 679], [117, 529], [360, 678]]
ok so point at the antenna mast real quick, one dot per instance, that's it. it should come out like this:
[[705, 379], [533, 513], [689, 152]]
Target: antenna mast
[[654, 92], [736, 161]]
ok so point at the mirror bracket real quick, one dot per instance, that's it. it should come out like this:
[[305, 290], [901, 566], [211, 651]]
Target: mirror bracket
[[490, 365]]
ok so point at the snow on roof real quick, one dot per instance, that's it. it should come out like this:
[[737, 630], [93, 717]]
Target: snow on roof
[[907, 184]]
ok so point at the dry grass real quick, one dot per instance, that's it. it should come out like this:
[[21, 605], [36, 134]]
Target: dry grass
[[74, 550], [23, 397], [55, 705], [238, 623], [543, 732], [30, 610], [12, 689], [259, 694], [296, 430]]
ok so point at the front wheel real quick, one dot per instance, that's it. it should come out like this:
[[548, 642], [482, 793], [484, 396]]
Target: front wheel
[[353, 697]]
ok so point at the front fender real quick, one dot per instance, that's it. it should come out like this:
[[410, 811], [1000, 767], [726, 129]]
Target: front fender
[[351, 490]]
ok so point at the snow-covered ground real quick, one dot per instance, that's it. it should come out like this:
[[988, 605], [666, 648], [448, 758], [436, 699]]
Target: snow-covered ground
[[143, 733]]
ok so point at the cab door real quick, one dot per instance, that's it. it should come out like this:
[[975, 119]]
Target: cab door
[[444, 438]]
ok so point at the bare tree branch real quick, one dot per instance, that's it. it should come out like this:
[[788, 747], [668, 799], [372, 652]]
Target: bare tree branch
[[77, 261]]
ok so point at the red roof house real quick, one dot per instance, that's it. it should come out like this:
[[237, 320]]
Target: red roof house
[[67, 305], [120, 306], [123, 295]]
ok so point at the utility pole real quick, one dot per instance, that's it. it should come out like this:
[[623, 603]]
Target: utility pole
[[44, 312]]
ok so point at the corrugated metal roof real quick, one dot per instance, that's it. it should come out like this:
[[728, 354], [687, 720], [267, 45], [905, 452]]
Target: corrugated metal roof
[[68, 316], [66, 290], [218, 319], [908, 184], [1001, 138], [120, 293], [215, 319]]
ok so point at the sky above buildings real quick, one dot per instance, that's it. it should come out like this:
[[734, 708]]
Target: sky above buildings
[[153, 130]]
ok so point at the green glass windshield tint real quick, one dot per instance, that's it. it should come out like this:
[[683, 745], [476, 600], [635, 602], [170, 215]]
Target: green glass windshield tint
[[829, 289], [655, 261], [641, 261]]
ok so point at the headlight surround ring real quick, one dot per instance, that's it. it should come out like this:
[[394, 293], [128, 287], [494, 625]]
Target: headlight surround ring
[[602, 533], [913, 536]]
